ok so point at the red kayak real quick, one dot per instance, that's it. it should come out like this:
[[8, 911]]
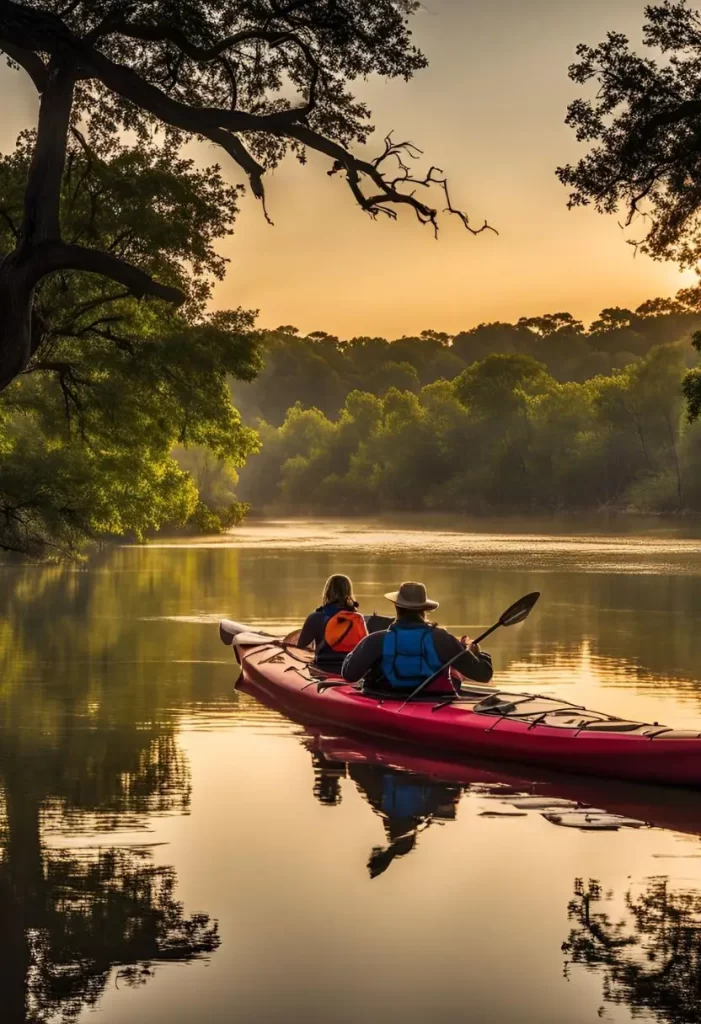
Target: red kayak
[[481, 722]]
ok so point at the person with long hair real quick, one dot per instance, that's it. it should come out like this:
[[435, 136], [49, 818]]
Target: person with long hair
[[336, 627], [401, 657]]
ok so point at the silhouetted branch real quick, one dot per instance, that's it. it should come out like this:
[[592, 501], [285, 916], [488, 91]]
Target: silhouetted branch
[[53, 256], [101, 52]]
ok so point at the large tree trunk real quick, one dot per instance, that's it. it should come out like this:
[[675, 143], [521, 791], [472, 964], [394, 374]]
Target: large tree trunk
[[21, 270], [16, 300]]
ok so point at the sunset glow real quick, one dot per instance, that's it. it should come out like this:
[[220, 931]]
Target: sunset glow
[[490, 111]]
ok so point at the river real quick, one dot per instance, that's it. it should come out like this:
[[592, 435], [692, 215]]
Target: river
[[171, 850]]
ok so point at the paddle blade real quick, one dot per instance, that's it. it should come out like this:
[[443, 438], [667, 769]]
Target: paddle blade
[[519, 611]]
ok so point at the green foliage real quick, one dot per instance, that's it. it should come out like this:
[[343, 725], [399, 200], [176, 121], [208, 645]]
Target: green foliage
[[257, 79], [691, 385], [541, 414], [504, 435], [500, 384], [87, 432], [218, 520], [641, 124]]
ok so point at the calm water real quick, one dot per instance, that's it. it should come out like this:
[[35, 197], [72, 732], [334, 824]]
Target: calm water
[[171, 850]]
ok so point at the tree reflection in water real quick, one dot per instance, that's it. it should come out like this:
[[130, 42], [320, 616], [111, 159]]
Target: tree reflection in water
[[96, 913], [88, 744], [71, 917], [651, 957]]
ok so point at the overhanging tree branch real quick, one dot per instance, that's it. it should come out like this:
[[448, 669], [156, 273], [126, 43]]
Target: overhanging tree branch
[[218, 124], [131, 72], [56, 255]]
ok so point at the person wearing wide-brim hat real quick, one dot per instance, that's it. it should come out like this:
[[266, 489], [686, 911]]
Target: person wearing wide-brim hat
[[408, 652], [412, 597]]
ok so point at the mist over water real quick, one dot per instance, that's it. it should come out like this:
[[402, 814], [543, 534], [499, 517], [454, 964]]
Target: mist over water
[[174, 850]]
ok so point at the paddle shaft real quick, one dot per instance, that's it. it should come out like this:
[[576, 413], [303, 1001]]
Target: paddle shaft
[[452, 661]]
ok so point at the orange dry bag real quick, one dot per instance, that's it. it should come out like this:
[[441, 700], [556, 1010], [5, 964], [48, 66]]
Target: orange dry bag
[[344, 631]]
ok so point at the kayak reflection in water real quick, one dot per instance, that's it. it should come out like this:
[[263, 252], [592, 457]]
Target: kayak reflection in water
[[335, 627], [412, 649], [406, 803]]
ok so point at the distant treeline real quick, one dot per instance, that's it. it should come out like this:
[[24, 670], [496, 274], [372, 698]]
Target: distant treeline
[[538, 415], [320, 370]]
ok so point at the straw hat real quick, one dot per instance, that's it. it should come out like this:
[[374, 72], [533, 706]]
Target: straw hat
[[413, 597]]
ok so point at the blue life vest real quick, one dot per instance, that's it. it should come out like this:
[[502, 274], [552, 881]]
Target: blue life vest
[[409, 655]]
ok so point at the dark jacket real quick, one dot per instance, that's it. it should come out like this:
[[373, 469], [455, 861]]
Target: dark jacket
[[367, 656], [312, 630]]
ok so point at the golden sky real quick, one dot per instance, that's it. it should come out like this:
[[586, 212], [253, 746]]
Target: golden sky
[[489, 110]]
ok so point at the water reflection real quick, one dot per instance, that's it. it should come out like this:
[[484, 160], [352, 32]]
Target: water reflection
[[81, 756], [68, 921], [648, 949], [409, 791], [110, 672], [647, 946], [406, 803]]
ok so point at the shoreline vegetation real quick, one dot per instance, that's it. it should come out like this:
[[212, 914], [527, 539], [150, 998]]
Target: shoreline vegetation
[[130, 406], [539, 416]]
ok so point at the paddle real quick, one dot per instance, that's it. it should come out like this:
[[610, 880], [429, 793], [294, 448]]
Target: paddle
[[515, 613]]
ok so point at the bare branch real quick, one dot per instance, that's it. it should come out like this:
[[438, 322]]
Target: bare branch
[[149, 82], [462, 215], [355, 169], [221, 126]]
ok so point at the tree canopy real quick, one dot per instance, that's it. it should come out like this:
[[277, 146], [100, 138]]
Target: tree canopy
[[642, 127], [87, 431], [321, 370], [257, 78]]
